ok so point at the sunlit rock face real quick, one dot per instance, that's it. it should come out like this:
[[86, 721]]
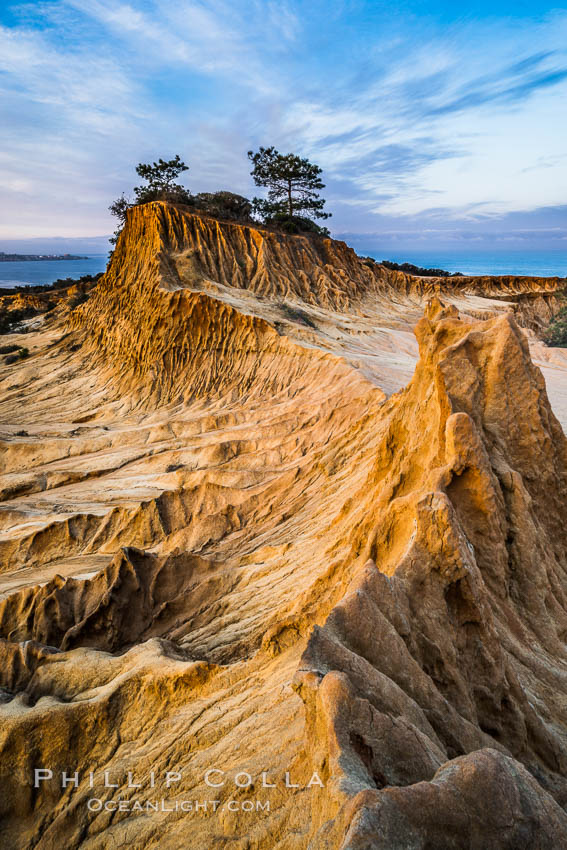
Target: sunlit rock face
[[283, 533]]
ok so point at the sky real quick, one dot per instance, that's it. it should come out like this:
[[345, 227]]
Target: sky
[[435, 123]]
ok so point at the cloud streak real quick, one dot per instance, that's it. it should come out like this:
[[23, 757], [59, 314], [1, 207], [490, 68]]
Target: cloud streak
[[406, 115]]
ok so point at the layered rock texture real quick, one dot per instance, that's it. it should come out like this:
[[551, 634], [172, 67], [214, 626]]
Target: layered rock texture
[[279, 513]]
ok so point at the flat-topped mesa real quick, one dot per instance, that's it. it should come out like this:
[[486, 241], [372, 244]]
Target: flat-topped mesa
[[533, 300], [321, 271], [188, 306], [316, 270], [491, 286], [194, 249], [163, 320]]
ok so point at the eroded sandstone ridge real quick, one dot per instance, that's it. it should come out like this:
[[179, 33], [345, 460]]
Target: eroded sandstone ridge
[[251, 523]]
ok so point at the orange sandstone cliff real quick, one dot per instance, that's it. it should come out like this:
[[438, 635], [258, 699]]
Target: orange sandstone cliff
[[276, 512]]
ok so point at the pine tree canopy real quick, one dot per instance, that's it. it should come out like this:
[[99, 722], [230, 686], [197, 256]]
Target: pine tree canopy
[[292, 184]]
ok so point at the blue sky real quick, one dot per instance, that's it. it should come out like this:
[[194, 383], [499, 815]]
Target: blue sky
[[435, 123]]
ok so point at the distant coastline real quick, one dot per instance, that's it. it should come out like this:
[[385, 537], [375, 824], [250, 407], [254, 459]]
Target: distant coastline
[[34, 258], [33, 273]]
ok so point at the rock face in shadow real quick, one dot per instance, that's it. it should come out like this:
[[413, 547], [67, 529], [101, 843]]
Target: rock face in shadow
[[138, 594], [225, 546]]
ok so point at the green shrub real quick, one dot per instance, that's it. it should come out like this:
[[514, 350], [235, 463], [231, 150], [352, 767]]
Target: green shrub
[[409, 268], [10, 318], [65, 283], [77, 299], [296, 224], [556, 334], [296, 314], [60, 283], [21, 354], [226, 205]]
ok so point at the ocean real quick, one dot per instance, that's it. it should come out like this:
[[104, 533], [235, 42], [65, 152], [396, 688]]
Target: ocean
[[38, 272], [532, 263]]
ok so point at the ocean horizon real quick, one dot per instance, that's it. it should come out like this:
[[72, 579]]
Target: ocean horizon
[[533, 263], [530, 263]]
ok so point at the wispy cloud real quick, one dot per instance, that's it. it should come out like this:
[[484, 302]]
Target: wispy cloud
[[407, 115], [502, 89]]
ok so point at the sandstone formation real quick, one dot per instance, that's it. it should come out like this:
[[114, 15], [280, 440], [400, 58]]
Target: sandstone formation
[[252, 523]]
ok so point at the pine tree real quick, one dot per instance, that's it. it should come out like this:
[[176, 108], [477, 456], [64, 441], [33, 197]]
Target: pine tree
[[292, 184], [159, 177]]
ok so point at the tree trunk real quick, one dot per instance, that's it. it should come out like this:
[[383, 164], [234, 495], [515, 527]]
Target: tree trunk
[[289, 199]]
